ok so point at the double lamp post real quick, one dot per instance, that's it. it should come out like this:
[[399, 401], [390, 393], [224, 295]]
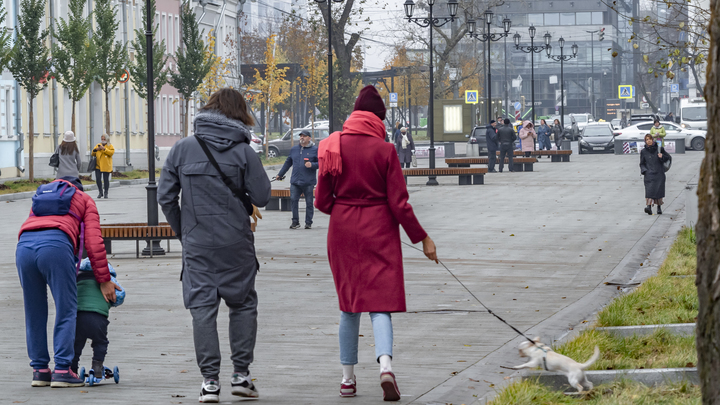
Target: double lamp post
[[562, 58], [532, 49]]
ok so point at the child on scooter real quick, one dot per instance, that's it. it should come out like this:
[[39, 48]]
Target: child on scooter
[[92, 318]]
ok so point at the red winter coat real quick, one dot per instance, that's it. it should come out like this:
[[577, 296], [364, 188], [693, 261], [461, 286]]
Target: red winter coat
[[366, 203], [84, 206]]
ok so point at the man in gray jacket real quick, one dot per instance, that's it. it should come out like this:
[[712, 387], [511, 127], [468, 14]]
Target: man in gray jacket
[[214, 228]]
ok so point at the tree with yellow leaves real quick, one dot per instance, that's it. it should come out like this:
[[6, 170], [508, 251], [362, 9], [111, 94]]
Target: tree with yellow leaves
[[272, 87], [315, 84], [220, 68]]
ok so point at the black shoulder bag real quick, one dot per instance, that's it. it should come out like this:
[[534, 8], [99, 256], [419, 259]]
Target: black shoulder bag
[[235, 190]]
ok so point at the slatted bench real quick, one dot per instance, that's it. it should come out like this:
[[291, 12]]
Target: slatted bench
[[466, 176], [136, 232], [555, 155], [280, 200], [520, 163]]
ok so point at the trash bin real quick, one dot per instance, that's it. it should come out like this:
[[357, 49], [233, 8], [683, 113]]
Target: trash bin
[[566, 144]]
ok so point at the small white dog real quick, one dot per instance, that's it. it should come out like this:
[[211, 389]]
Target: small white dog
[[543, 356]]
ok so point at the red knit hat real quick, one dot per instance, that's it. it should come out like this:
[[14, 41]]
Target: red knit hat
[[369, 100]]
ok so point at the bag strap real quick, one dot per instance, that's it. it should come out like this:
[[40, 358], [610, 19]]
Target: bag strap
[[234, 188]]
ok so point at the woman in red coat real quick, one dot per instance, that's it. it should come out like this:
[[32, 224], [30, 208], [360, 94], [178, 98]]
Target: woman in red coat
[[361, 187]]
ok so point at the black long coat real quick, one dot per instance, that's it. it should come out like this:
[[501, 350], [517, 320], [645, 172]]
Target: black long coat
[[651, 166]]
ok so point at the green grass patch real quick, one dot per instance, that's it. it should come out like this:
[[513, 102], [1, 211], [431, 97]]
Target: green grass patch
[[134, 174], [659, 350], [621, 392], [21, 186], [272, 161], [660, 299]]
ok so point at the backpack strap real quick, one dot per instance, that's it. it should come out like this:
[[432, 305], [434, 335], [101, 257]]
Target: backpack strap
[[234, 188], [82, 241]]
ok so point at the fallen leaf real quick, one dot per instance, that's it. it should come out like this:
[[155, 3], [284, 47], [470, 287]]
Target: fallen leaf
[[83, 392], [178, 396], [183, 371], [467, 345], [474, 380], [512, 234], [464, 361], [690, 364], [563, 297], [527, 286]]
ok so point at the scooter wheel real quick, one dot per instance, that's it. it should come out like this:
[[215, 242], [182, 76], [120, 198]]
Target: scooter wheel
[[81, 374], [91, 378], [116, 374]]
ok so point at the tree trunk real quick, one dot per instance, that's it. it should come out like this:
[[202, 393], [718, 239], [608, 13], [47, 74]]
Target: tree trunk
[[185, 118], [72, 119], [708, 229], [267, 131], [31, 138], [697, 80], [107, 114]]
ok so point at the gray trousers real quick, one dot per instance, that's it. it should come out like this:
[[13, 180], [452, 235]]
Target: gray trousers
[[243, 332]]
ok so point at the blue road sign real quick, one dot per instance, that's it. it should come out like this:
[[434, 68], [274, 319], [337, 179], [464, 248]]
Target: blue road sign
[[675, 88], [517, 106], [625, 91], [471, 96], [393, 98]]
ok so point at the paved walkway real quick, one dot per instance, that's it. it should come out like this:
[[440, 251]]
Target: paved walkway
[[530, 245]]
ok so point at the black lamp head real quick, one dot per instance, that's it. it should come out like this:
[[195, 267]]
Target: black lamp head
[[452, 7], [409, 4], [531, 30]]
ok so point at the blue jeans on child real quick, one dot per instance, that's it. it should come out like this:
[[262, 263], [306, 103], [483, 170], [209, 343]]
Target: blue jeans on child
[[45, 258], [295, 192], [350, 328]]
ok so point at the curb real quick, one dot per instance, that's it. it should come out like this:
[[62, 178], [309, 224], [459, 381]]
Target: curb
[[29, 194], [684, 329], [648, 377], [132, 182]]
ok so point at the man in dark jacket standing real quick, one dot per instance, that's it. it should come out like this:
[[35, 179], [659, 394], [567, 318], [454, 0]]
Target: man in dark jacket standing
[[506, 138], [218, 260], [492, 145], [304, 161]]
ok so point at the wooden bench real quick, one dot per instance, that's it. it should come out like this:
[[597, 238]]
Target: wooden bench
[[466, 176], [555, 155], [280, 200], [136, 232], [519, 163]]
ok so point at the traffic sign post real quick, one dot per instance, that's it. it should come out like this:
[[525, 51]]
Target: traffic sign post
[[674, 88], [625, 91], [393, 98], [471, 96]]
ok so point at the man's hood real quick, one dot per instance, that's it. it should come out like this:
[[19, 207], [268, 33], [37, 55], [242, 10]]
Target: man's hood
[[219, 131]]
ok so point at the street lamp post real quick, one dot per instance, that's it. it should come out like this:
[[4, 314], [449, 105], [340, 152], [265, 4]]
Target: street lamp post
[[532, 50], [330, 58], [488, 37], [431, 21], [562, 58]]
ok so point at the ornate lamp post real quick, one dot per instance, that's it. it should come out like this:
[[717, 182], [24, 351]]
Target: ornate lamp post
[[488, 37], [330, 58], [431, 21], [562, 58], [532, 50]]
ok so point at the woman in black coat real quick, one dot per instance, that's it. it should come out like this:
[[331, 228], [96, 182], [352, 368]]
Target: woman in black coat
[[652, 158]]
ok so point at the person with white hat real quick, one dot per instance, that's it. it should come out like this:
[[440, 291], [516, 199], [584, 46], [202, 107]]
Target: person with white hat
[[69, 156]]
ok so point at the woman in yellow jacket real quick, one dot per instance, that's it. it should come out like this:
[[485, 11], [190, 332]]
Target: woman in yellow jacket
[[103, 153]]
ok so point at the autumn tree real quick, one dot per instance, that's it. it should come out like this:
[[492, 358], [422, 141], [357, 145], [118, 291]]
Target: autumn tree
[[30, 62], [5, 41], [219, 69], [708, 228], [138, 67], [110, 56], [74, 54], [270, 85], [192, 60], [315, 86]]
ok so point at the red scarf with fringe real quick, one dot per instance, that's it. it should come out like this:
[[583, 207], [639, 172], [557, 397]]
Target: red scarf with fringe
[[359, 123]]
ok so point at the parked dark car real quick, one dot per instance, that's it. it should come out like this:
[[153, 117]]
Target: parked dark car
[[597, 138], [281, 147], [477, 136]]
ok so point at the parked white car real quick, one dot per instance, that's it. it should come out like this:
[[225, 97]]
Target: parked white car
[[256, 144], [694, 139]]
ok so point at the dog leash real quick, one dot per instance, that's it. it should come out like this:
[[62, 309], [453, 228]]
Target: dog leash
[[478, 300]]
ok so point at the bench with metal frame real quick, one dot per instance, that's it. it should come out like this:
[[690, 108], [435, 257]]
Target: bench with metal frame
[[562, 155], [280, 200], [466, 175], [520, 164], [136, 232]]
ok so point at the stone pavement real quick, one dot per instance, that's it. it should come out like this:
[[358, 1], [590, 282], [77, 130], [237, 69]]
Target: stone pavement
[[535, 247]]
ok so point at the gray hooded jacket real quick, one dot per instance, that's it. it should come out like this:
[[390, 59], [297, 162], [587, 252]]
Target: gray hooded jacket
[[218, 245]]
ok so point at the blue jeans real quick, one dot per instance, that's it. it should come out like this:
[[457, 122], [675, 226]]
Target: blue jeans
[[295, 192], [45, 258], [350, 328]]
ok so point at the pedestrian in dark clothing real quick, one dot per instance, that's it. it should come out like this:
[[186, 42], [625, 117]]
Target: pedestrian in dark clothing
[[304, 161], [405, 147], [492, 145], [652, 159], [218, 259], [506, 138], [543, 132], [670, 117], [557, 131], [396, 132]]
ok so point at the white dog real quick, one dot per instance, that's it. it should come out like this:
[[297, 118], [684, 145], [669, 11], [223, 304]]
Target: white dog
[[543, 356]]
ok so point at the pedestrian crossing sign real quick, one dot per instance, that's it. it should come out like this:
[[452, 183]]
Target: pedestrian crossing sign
[[625, 91], [471, 96]]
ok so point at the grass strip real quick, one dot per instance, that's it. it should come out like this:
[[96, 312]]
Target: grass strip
[[21, 186], [620, 392], [660, 299], [659, 350], [134, 174]]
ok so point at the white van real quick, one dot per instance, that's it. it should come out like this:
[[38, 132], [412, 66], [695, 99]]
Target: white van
[[693, 113]]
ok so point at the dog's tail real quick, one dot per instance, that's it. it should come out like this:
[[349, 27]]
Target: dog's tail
[[593, 359]]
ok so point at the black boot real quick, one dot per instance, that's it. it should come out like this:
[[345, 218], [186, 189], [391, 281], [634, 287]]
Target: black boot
[[648, 210], [659, 211], [98, 369]]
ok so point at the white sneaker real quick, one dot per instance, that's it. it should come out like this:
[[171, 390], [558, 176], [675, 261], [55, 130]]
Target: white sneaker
[[243, 386], [210, 392]]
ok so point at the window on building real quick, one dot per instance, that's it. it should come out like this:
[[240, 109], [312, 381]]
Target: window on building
[[583, 18], [597, 18], [552, 18], [519, 20], [170, 35], [177, 34], [567, 18], [46, 129], [535, 19]]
